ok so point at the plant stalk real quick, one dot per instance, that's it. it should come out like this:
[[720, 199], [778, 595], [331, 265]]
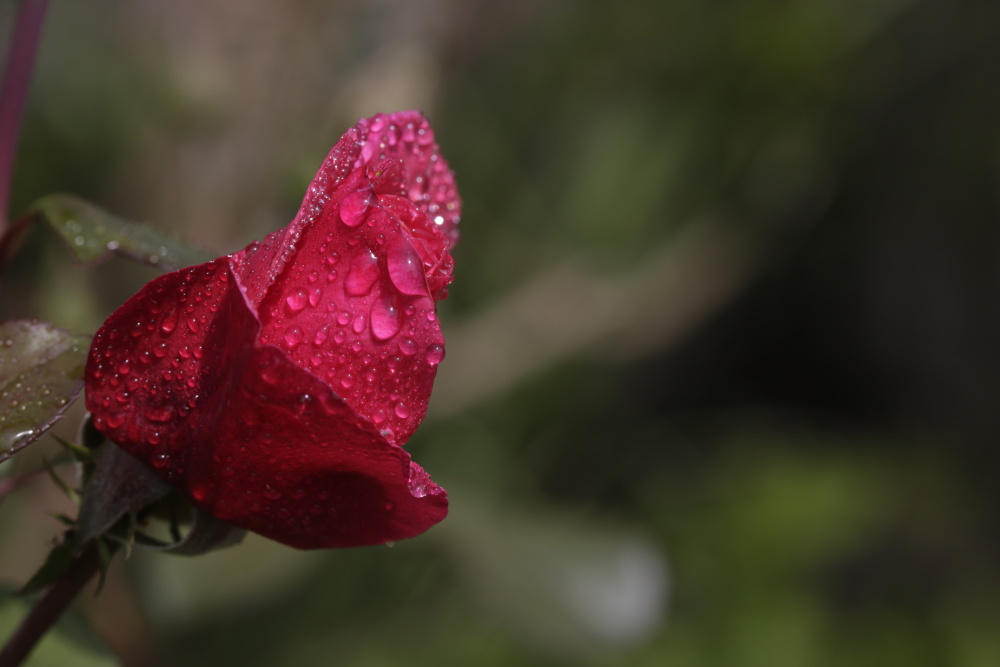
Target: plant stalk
[[14, 90], [48, 610]]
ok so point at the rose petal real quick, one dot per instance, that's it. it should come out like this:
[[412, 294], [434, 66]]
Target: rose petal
[[245, 433], [430, 183]]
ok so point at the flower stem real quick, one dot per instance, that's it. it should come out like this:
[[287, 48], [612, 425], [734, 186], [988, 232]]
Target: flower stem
[[14, 89], [50, 607]]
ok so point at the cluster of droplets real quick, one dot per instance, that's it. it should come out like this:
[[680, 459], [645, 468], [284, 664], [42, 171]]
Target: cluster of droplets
[[431, 184], [145, 375], [354, 309], [39, 377]]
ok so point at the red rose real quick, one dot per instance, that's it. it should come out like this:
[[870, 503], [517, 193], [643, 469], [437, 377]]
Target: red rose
[[275, 387]]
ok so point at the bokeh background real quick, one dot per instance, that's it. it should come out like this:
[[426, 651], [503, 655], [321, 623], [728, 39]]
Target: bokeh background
[[722, 375]]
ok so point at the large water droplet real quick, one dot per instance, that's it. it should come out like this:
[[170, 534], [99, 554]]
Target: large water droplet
[[405, 268], [402, 411], [362, 275], [168, 324], [160, 414], [385, 318], [435, 354], [296, 301], [407, 346], [355, 206], [293, 336], [359, 323]]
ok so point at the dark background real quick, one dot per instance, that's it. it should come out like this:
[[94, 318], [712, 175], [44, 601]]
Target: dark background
[[722, 374]]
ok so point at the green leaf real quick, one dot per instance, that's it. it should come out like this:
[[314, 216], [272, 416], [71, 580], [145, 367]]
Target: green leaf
[[206, 534], [119, 484], [41, 373], [93, 234]]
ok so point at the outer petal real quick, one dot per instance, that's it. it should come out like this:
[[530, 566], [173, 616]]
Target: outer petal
[[246, 434]]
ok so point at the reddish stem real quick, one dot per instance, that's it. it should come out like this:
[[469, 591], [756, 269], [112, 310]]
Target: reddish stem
[[50, 608], [14, 89]]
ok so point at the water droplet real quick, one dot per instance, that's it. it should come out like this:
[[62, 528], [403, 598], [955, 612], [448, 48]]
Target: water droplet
[[343, 317], [405, 268], [296, 301], [355, 206], [161, 461], [362, 274], [359, 323], [271, 493], [313, 276], [168, 324], [435, 354], [385, 318], [293, 336], [401, 410], [378, 416], [407, 346], [339, 336], [321, 335], [347, 381], [160, 414]]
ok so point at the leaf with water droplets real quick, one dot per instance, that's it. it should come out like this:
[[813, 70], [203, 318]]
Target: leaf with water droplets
[[275, 387], [41, 372], [92, 234]]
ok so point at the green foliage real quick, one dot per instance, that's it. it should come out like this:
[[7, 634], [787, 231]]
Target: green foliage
[[93, 234], [41, 372]]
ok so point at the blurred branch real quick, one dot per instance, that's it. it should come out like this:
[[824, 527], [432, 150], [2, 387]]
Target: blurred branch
[[569, 311], [48, 610], [14, 89]]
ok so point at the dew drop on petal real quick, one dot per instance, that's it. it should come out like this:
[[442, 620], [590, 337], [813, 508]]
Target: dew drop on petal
[[160, 414], [435, 354], [401, 410], [347, 381], [355, 206], [407, 346], [385, 318], [168, 324], [293, 336], [296, 301], [405, 268], [362, 274], [359, 323]]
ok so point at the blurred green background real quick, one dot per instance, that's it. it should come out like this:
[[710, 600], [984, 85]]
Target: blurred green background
[[723, 370]]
